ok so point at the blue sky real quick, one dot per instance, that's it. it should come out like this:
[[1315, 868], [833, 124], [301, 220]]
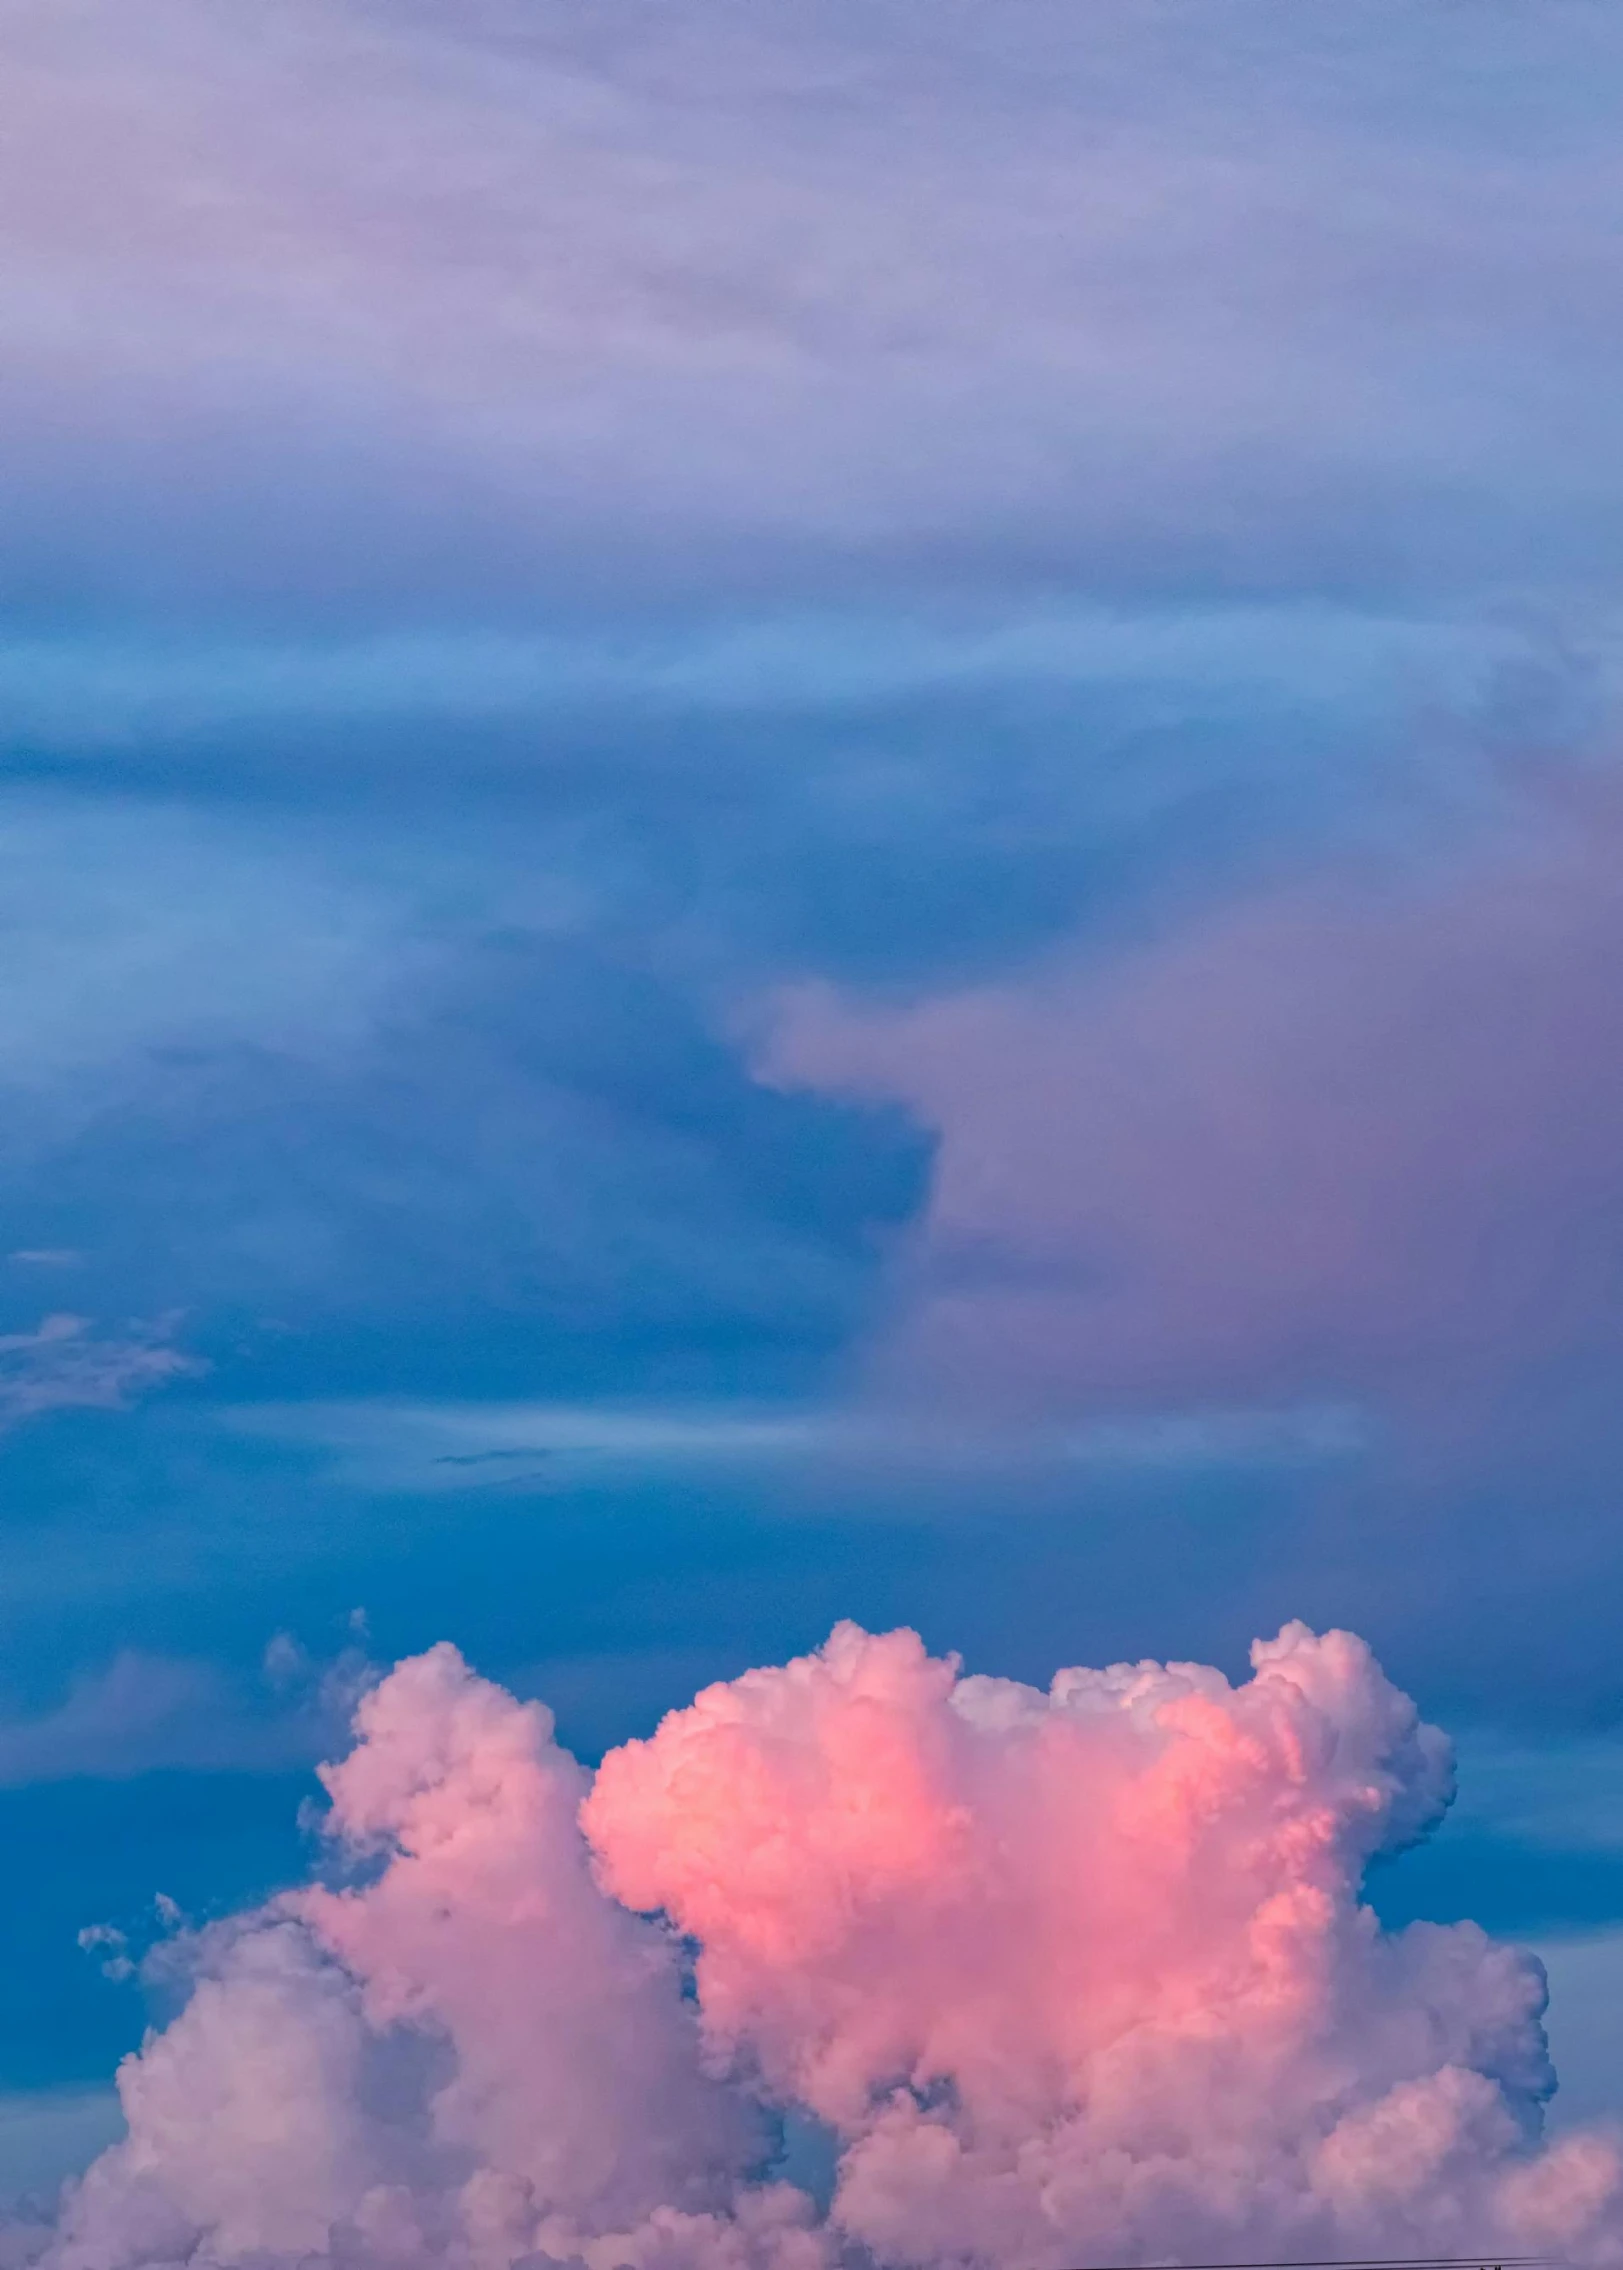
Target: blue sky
[[808, 812]]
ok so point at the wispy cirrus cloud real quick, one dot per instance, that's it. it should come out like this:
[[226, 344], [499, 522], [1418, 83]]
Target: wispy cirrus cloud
[[538, 1447], [65, 1363]]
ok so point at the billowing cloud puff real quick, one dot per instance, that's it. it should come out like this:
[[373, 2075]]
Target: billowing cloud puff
[[467, 2052], [1076, 1976], [576, 2067], [1085, 1973]]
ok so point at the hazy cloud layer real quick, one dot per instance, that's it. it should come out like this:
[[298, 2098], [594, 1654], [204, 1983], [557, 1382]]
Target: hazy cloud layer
[[1361, 1133], [460, 308]]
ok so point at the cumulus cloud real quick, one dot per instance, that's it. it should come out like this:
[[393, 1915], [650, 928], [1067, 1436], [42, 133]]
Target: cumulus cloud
[[1065, 1975], [469, 2052]]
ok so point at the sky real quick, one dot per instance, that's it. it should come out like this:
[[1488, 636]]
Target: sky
[[810, 819]]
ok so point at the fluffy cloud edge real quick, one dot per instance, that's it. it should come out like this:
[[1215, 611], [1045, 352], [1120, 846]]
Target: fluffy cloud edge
[[1071, 1975]]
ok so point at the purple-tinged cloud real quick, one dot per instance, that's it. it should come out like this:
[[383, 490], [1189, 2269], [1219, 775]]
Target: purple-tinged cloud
[[452, 303], [1361, 1133]]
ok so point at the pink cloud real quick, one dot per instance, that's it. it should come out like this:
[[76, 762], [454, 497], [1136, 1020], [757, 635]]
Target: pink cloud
[[577, 2063], [1072, 1975], [1080, 1973], [1355, 1134], [470, 2055]]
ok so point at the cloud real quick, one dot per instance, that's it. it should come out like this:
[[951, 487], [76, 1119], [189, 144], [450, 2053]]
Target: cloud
[[1354, 1135], [472, 2033], [142, 1713], [1066, 1974], [422, 298], [63, 1365], [138, 1712], [489, 1445], [143, 702]]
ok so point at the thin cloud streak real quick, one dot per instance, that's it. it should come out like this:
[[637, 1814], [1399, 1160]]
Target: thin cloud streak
[[542, 1446], [140, 699]]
